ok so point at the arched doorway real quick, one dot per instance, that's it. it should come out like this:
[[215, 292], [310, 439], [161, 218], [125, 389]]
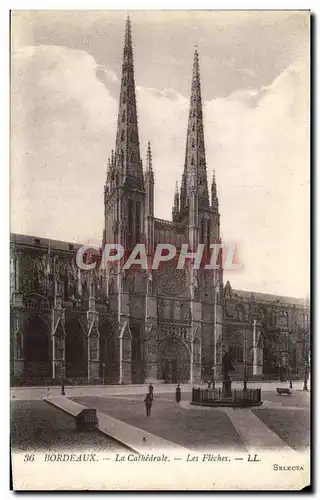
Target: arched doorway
[[37, 348], [108, 365], [76, 346], [173, 361]]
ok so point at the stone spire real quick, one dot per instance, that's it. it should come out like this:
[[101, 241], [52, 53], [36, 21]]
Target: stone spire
[[176, 204], [214, 197], [149, 170], [195, 159], [127, 153]]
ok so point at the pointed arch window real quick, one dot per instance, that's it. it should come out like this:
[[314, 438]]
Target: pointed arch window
[[193, 144], [237, 352], [124, 99], [193, 127], [130, 222], [138, 218], [208, 233], [123, 116], [202, 231], [122, 135], [192, 160]]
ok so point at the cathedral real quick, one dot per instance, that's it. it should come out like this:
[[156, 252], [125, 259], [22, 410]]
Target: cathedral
[[165, 325]]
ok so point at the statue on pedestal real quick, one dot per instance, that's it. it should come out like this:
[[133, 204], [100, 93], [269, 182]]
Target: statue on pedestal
[[226, 368]]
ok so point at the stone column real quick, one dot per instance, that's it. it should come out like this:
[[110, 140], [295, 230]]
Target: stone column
[[150, 343], [124, 333], [58, 336], [125, 352], [93, 339], [18, 358], [195, 333]]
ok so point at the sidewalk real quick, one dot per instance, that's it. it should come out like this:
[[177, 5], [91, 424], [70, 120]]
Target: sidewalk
[[38, 393]]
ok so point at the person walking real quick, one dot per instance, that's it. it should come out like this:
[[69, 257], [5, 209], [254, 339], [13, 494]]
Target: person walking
[[151, 390], [178, 394], [148, 403]]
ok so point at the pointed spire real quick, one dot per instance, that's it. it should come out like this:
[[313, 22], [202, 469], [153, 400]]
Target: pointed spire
[[195, 159], [149, 170], [176, 203], [176, 193], [149, 157], [127, 35], [127, 155], [214, 197]]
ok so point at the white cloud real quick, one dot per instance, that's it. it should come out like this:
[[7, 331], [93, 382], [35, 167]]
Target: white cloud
[[64, 122]]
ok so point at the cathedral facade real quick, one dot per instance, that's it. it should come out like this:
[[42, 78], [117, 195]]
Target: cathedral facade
[[110, 325]]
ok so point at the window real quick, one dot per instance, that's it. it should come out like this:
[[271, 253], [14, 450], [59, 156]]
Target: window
[[136, 344], [208, 233], [130, 222], [138, 216], [237, 353], [202, 231]]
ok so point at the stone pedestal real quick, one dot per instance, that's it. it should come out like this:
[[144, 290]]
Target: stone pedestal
[[226, 388]]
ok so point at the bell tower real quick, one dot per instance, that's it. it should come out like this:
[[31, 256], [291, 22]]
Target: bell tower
[[124, 192]]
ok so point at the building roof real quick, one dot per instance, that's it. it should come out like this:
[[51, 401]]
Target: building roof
[[272, 298]]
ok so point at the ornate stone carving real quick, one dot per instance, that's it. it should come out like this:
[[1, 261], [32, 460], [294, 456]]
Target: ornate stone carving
[[172, 281], [115, 226], [168, 328]]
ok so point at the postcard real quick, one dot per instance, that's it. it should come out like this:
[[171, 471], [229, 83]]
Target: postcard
[[159, 250]]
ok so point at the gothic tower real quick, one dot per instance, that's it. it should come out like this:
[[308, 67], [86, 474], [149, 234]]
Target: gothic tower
[[124, 189], [195, 209], [124, 202], [203, 221]]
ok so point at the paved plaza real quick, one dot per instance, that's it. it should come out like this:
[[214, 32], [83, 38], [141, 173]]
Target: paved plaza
[[281, 422], [38, 426]]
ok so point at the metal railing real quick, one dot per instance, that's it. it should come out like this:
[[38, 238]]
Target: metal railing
[[237, 395]]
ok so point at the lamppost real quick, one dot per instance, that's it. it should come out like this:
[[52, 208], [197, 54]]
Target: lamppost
[[62, 377], [103, 372], [245, 362], [290, 377], [305, 382], [213, 369]]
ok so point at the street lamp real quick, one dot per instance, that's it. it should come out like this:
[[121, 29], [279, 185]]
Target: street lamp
[[245, 364], [213, 368], [62, 378], [290, 377], [305, 382]]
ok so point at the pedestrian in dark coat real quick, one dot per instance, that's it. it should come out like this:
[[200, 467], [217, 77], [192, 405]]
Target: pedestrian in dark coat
[[151, 390], [148, 403], [178, 394]]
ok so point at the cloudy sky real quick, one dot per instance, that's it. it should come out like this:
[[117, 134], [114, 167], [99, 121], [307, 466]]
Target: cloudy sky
[[255, 85]]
